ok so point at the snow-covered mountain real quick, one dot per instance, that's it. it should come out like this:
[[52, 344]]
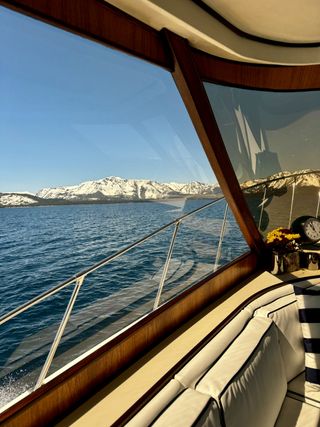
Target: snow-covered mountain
[[118, 189], [128, 189], [302, 178], [18, 199], [110, 189]]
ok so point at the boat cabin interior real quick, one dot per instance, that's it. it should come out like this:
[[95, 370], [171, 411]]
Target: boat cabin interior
[[230, 335]]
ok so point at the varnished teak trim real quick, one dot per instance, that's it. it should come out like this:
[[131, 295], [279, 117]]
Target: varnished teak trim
[[196, 100], [255, 76], [100, 21]]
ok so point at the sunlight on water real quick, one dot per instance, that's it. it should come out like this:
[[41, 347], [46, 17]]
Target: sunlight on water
[[11, 388]]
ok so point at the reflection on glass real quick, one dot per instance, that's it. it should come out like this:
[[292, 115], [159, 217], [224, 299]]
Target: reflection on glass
[[98, 151], [196, 252], [113, 297], [124, 290], [272, 141]]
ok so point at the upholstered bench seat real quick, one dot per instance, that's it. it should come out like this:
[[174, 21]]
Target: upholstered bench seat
[[249, 379], [250, 374], [190, 374], [283, 311]]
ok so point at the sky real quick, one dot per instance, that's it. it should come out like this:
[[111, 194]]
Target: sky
[[72, 110]]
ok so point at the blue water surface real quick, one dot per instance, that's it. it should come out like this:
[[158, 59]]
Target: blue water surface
[[43, 246]]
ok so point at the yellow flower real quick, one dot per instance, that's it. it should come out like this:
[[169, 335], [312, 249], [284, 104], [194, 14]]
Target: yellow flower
[[281, 236]]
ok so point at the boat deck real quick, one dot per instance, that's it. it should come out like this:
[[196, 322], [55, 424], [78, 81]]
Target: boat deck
[[105, 407]]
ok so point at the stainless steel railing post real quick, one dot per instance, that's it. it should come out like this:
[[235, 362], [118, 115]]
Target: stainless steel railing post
[[262, 206], [318, 204], [222, 231], [292, 200], [60, 332], [166, 266]]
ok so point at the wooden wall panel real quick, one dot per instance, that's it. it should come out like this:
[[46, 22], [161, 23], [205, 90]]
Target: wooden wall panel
[[102, 22], [268, 77], [59, 396]]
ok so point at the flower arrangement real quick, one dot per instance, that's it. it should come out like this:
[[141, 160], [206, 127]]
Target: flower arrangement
[[282, 240]]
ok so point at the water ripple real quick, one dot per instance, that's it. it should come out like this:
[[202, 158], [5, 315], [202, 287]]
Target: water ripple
[[41, 247]]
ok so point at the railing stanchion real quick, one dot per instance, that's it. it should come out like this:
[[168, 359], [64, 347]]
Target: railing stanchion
[[60, 332], [222, 231], [262, 206], [318, 204], [166, 266], [292, 200]]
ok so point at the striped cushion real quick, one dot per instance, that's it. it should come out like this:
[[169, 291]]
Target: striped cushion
[[309, 315]]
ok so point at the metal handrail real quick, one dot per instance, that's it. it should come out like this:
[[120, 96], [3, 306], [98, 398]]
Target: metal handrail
[[36, 300], [166, 266], [265, 184], [292, 201], [264, 199], [268, 181], [222, 231], [50, 292], [59, 332], [80, 277]]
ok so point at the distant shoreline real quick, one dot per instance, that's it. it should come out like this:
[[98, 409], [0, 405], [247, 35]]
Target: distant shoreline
[[59, 202]]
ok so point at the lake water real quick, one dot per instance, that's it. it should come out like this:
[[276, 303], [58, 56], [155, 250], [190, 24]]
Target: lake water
[[43, 246]]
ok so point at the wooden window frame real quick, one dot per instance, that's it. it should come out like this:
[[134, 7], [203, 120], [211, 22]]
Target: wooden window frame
[[256, 76], [105, 24]]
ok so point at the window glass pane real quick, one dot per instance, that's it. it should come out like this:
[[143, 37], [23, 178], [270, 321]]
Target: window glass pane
[[25, 343], [97, 152], [272, 141]]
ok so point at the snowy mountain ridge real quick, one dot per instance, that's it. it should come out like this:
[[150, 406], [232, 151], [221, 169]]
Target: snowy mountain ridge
[[17, 199], [114, 188], [110, 189], [129, 189]]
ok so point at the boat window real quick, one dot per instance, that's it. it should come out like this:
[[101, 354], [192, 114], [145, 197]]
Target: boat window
[[272, 141], [107, 198]]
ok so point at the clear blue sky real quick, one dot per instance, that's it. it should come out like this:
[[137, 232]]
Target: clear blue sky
[[73, 110]]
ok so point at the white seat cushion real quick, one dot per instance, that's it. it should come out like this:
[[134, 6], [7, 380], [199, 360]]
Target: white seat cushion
[[248, 380], [176, 406], [298, 414], [268, 297], [302, 390], [191, 408], [205, 358], [284, 312], [157, 404]]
